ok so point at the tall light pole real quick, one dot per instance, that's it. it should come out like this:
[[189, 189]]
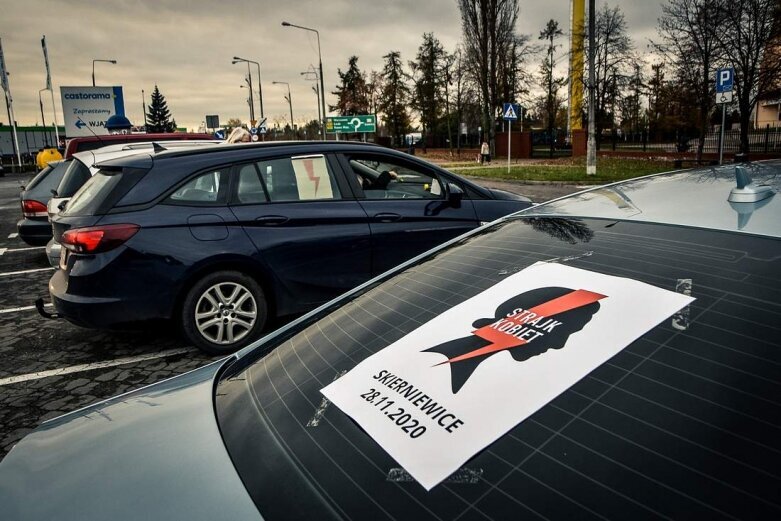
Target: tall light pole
[[249, 81], [316, 88], [289, 102], [143, 106], [43, 120], [93, 67], [320, 57], [236, 60]]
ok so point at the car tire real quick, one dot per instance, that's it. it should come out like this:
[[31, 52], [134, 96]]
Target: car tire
[[223, 312]]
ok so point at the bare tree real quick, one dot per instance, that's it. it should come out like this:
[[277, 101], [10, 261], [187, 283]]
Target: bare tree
[[687, 29], [488, 28], [613, 50], [745, 37]]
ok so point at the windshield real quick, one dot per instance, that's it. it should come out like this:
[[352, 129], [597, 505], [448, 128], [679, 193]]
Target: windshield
[[684, 422], [77, 174]]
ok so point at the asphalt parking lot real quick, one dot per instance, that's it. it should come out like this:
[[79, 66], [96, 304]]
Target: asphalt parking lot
[[51, 367]]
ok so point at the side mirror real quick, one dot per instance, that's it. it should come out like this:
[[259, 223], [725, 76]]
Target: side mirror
[[454, 195]]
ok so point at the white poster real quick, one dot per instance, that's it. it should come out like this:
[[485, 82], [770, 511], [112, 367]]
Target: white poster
[[312, 178], [86, 109], [441, 394]]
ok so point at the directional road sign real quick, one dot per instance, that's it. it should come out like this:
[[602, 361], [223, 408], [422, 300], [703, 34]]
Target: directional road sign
[[219, 134], [724, 79], [348, 124], [510, 111]]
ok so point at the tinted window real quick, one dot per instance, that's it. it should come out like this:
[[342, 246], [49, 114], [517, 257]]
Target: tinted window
[[250, 188], [385, 178], [303, 178], [682, 423], [103, 191], [90, 196], [208, 188], [77, 174], [41, 175]]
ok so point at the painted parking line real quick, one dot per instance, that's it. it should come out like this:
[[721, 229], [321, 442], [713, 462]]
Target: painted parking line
[[23, 308], [3, 251], [93, 366], [22, 272], [13, 235]]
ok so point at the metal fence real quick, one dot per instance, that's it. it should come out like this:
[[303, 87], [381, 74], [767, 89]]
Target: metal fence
[[766, 141]]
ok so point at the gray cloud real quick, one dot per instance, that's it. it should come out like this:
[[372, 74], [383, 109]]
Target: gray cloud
[[185, 47]]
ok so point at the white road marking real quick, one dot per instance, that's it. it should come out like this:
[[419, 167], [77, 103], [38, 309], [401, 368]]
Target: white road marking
[[93, 366], [13, 235], [6, 250], [23, 308], [9, 273]]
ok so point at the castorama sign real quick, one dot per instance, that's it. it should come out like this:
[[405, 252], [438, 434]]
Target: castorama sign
[[86, 109]]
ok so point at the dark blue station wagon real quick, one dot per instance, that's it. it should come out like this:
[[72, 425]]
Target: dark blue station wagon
[[221, 239]]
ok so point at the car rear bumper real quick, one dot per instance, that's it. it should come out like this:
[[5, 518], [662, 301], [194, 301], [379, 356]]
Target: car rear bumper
[[96, 312], [34, 232]]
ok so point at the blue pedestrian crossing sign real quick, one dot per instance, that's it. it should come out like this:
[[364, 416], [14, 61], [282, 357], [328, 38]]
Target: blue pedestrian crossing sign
[[724, 79], [510, 111]]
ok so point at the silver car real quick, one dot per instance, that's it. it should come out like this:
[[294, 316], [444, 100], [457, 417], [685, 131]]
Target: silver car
[[681, 423]]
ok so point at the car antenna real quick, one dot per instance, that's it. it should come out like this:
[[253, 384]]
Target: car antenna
[[157, 147], [746, 191], [93, 132]]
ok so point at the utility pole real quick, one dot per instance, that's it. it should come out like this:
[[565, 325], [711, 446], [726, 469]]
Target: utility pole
[[43, 120], [143, 107], [591, 152]]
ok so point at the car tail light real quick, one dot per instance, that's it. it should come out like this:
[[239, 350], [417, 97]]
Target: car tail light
[[97, 239], [32, 208]]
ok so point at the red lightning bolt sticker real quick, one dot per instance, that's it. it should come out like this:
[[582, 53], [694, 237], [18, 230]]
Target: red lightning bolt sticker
[[310, 173], [501, 340]]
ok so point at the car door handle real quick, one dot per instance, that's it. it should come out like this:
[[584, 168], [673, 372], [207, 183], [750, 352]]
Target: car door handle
[[272, 220], [387, 217]]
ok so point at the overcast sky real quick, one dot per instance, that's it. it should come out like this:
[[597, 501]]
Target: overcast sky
[[186, 47]]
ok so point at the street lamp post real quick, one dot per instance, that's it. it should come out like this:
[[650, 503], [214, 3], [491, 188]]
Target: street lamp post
[[316, 89], [320, 57], [43, 120], [289, 102], [93, 67], [236, 60]]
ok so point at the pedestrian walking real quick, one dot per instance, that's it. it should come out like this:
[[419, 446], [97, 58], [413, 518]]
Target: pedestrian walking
[[485, 153]]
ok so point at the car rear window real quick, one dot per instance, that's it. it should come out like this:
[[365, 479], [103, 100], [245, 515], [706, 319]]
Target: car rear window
[[102, 191], [37, 179], [682, 423], [49, 178], [77, 174]]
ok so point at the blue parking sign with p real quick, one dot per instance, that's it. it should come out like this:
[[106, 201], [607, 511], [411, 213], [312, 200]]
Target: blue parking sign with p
[[724, 79]]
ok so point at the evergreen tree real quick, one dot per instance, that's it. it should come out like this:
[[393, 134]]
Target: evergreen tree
[[394, 97], [429, 82], [353, 93], [158, 118]]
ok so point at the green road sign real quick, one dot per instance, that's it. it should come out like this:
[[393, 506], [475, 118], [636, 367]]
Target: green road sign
[[349, 124]]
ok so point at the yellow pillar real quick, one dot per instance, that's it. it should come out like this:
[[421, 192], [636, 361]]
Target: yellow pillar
[[576, 60]]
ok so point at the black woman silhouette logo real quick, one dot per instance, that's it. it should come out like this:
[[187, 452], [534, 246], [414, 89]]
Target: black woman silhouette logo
[[526, 325]]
